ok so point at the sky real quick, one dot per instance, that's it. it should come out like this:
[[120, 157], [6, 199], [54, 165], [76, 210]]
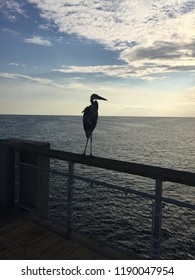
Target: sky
[[138, 54]]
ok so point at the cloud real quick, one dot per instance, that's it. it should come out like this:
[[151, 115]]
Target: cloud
[[78, 86], [188, 96], [10, 31], [33, 79], [15, 76], [151, 37], [146, 61], [119, 71], [161, 57], [16, 64], [11, 9], [76, 78], [107, 70], [7, 75], [161, 52], [43, 27], [38, 40], [118, 24], [191, 89]]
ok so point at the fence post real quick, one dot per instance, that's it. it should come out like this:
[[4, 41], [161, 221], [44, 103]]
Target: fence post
[[157, 221], [70, 196], [7, 188], [17, 179]]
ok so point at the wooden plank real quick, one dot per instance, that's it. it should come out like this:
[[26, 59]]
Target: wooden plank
[[83, 253], [22, 239], [12, 242], [30, 244], [10, 225], [36, 248], [8, 234], [17, 228], [15, 238], [61, 250]]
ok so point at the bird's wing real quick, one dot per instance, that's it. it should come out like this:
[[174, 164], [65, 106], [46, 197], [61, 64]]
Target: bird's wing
[[90, 117]]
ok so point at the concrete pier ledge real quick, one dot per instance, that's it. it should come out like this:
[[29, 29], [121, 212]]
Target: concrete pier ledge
[[7, 172]]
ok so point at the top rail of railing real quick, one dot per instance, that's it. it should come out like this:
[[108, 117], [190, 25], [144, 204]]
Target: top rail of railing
[[154, 172]]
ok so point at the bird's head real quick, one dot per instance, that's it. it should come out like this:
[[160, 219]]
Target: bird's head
[[96, 97]]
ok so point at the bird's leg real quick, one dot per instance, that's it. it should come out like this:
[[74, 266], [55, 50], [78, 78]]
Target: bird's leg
[[86, 146], [91, 145]]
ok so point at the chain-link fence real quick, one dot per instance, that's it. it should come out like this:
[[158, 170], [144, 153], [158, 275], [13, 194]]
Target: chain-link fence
[[33, 190], [110, 213]]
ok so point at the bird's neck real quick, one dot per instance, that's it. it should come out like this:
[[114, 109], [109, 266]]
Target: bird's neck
[[91, 99], [95, 104]]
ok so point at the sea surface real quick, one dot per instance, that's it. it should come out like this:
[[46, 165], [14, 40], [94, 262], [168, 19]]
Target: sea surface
[[164, 142]]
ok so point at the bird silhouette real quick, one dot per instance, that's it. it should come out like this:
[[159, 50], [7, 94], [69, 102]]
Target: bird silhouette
[[90, 118]]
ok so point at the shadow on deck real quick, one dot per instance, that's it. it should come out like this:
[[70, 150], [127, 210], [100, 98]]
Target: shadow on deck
[[24, 239]]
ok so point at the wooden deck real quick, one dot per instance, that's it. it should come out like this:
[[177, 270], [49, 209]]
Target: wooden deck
[[23, 239]]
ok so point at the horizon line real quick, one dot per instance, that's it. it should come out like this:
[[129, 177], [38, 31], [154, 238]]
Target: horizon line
[[120, 116]]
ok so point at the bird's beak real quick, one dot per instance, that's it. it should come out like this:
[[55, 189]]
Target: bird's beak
[[101, 98]]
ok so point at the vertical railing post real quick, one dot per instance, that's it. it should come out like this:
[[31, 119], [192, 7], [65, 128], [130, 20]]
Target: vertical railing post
[[70, 196], [157, 221], [17, 179]]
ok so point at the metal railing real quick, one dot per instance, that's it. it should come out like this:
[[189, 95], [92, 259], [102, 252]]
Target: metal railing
[[159, 175]]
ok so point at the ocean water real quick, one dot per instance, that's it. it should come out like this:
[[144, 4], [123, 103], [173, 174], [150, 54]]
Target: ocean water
[[164, 142]]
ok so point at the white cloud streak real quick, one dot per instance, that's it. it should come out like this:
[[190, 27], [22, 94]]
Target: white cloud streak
[[79, 86], [10, 31], [16, 64], [107, 70], [119, 71], [192, 89], [38, 40], [33, 79]]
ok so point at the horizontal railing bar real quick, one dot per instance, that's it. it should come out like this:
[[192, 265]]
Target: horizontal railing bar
[[112, 186], [126, 190], [165, 174], [178, 203], [81, 178], [129, 190], [57, 172]]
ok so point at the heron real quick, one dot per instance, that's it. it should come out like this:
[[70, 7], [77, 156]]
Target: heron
[[90, 118]]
